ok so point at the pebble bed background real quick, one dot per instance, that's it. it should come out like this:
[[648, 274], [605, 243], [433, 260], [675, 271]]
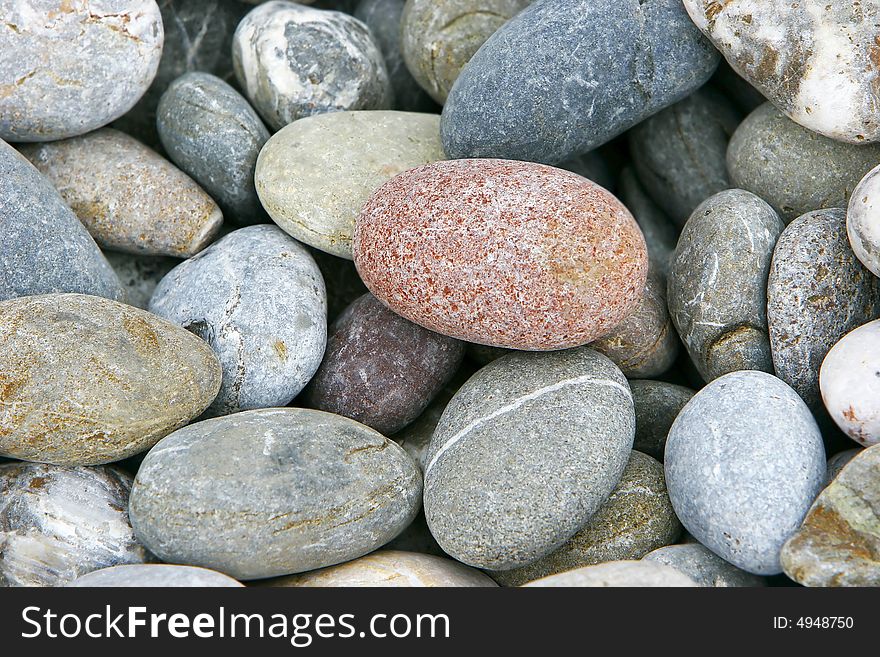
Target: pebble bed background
[[439, 293]]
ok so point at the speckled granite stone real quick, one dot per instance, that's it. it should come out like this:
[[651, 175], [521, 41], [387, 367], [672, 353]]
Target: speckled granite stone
[[258, 299], [619, 573], [524, 455], [562, 78], [703, 566], [154, 575], [657, 404], [70, 67], [744, 462], [511, 254], [273, 492], [43, 247], [59, 523]]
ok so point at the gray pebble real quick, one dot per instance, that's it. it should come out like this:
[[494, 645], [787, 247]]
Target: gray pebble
[[794, 169], [211, 132], [618, 574], [560, 79], [744, 462], [817, 293], [703, 566], [717, 290], [154, 576], [661, 235], [680, 153], [273, 492], [59, 523], [524, 455], [657, 404], [258, 299], [43, 246], [139, 274]]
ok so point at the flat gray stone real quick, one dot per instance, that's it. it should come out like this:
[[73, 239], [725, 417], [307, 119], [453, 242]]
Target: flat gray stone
[[703, 566], [154, 576], [657, 404]]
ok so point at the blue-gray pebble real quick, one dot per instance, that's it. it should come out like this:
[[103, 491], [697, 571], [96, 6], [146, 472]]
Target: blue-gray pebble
[[562, 78], [744, 462]]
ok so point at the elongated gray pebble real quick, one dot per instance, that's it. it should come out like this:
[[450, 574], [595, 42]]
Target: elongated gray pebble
[[59, 523], [717, 291], [258, 299], [618, 574], [273, 492], [657, 404], [154, 576], [524, 455], [211, 132], [43, 247], [703, 566], [744, 462]]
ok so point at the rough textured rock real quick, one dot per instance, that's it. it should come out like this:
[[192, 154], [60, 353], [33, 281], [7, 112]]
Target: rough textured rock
[[839, 460], [817, 293], [85, 380], [839, 542], [273, 492], [381, 369], [701, 565], [128, 197], [139, 274], [619, 573], [295, 61], [43, 247], [524, 455], [563, 78], [660, 233], [211, 132], [815, 60], [439, 38], [645, 343], [391, 568], [154, 576], [744, 462], [850, 386], [59, 523], [657, 404], [511, 254], [315, 175], [636, 519], [794, 169], [680, 153], [74, 66], [861, 220], [258, 299], [717, 291]]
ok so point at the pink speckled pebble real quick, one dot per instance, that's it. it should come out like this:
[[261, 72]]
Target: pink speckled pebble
[[504, 253]]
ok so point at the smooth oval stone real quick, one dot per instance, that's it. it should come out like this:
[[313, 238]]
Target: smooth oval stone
[[645, 342], [509, 254], [636, 519], [59, 523], [381, 369], [817, 292], [258, 299], [211, 132], [140, 274], [815, 60], [862, 221], [850, 386], [661, 235], [794, 169], [70, 68], [198, 37], [837, 462], [391, 568], [701, 565], [603, 67], [154, 576], [383, 17], [680, 153], [839, 542], [744, 462], [295, 61], [524, 455], [273, 492], [43, 246], [717, 289], [657, 404], [619, 574], [127, 196], [315, 175], [85, 380], [439, 38]]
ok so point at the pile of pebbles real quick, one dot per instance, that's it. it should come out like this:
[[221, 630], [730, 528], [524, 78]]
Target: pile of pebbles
[[420, 293]]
